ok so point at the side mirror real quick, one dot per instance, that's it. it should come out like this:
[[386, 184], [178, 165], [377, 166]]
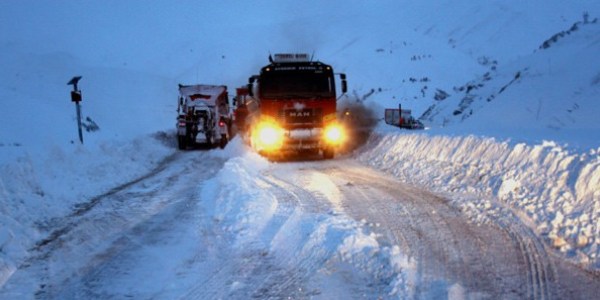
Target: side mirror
[[250, 84], [250, 92], [344, 83]]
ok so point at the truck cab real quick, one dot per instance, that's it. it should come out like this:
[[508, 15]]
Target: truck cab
[[296, 107]]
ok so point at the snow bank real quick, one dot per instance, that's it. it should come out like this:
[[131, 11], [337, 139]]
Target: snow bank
[[552, 188], [39, 187], [258, 212]]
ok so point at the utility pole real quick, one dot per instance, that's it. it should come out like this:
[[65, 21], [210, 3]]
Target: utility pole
[[76, 97]]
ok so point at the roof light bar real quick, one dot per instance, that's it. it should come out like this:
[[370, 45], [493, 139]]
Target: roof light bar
[[291, 57]]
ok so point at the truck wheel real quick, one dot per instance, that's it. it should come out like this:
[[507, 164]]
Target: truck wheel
[[209, 140], [328, 153], [223, 142], [181, 142]]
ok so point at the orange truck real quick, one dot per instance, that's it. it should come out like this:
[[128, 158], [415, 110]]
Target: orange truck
[[291, 106]]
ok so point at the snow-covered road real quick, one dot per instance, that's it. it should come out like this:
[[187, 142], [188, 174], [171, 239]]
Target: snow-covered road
[[502, 259], [244, 227]]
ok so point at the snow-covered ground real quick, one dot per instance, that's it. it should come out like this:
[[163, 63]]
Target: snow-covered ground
[[516, 130], [553, 189]]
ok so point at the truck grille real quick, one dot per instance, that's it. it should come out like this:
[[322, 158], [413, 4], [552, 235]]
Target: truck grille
[[307, 116]]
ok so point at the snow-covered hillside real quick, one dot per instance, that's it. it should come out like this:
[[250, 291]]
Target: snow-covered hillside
[[508, 89], [551, 93]]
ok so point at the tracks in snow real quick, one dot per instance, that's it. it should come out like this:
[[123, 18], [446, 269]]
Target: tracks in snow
[[103, 247], [497, 261], [96, 242]]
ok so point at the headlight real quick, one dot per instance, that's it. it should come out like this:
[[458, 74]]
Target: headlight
[[334, 134], [269, 136]]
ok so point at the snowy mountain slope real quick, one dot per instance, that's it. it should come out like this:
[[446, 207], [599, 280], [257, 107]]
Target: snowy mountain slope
[[549, 94], [461, 43], [497, 30]]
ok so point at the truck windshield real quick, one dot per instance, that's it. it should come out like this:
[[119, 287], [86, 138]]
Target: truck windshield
[[296, 85]]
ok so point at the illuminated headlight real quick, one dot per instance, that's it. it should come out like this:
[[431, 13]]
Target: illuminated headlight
[[334, 134], [269, 136]]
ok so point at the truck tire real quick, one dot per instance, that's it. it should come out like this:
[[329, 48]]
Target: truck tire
[[223, 141], [209, 140], [181, 142], [328, 153]]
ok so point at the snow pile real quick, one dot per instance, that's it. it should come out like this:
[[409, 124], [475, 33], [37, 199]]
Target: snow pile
[[554, 188], [37, 190], [256, 211]]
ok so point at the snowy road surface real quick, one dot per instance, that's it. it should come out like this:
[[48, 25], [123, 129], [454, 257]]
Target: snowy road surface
[[245, 228]]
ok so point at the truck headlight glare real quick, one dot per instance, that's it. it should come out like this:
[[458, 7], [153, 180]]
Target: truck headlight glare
[[334, 134], [269, 136]]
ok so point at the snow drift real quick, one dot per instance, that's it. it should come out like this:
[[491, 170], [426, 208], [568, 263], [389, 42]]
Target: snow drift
[[553, 189], [253, 216]]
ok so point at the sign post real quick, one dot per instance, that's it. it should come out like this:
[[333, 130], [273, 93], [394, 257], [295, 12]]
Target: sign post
[[399, 114], [76, 97]]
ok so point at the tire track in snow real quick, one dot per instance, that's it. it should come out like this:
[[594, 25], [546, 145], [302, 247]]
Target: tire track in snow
[[97, 232], [295, 188], [283, 260], [541, 275], [369, 203], [289, 281], [440, 236], [272, 279], [83, 208]]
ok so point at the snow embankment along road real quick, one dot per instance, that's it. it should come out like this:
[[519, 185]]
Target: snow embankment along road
[[230, 224], [39, 186], [551, 188], [205, 225], [450, 257], [125, 243]]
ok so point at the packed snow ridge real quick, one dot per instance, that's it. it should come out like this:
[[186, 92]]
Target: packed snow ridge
[[549, 187]]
